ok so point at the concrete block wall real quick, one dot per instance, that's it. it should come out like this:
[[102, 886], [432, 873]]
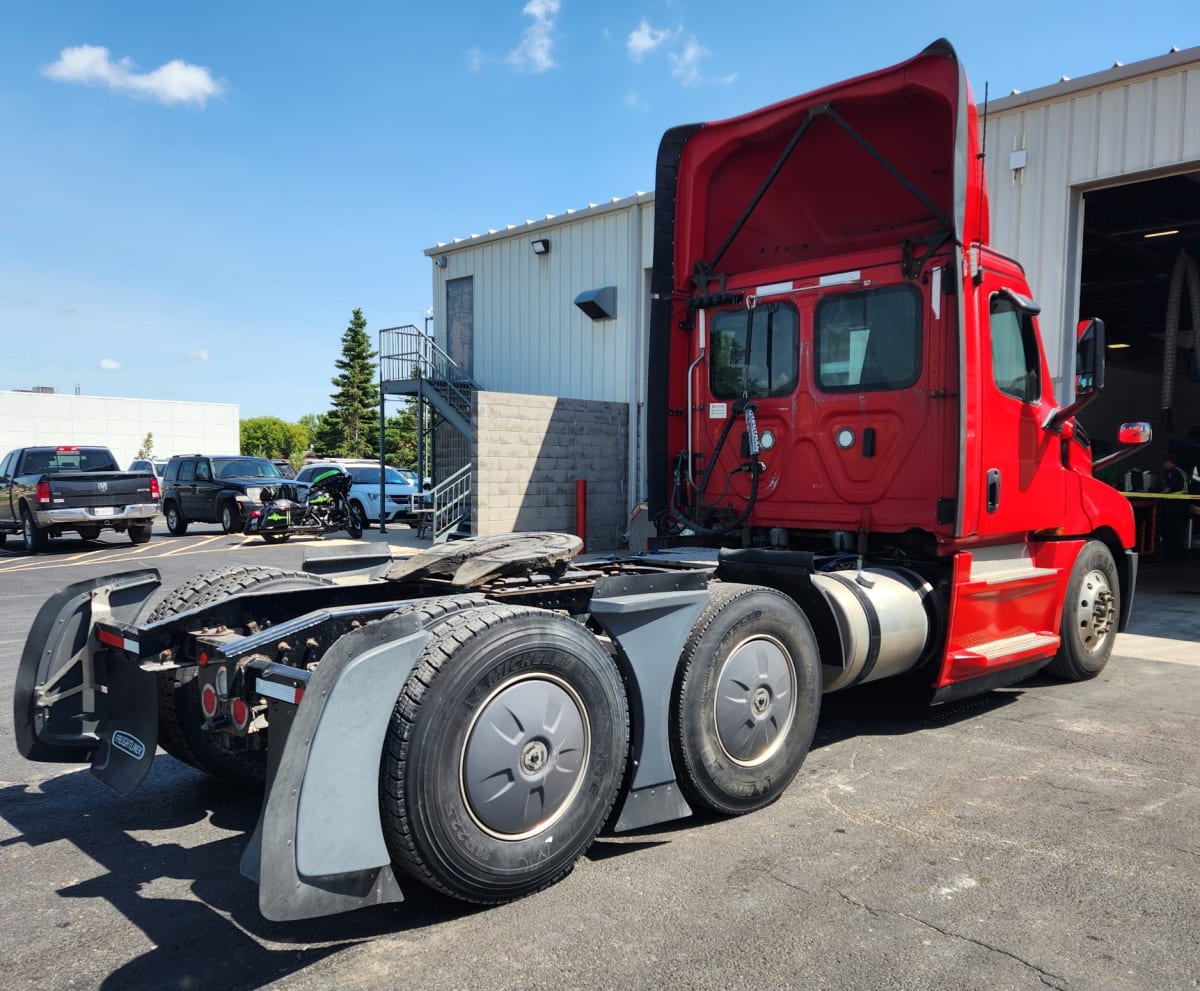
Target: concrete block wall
[[528, 453]]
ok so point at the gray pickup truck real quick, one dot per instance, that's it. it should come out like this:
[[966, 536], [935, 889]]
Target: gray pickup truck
[[45, 491]]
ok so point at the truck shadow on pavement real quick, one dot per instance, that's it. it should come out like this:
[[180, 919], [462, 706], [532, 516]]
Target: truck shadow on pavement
[[200, 915]]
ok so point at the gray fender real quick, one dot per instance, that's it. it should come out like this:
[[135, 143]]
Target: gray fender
[[318, 848], [650, 617]]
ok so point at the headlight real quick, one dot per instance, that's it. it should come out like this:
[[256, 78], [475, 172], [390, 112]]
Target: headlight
[[253, 494]]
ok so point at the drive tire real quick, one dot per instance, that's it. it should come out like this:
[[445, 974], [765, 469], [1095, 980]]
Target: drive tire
[[502, 692], [140, 533], [746, 699], [36, 539], [1091, 609], [357, 507], [176, 524], [180, 718], [275, 538]]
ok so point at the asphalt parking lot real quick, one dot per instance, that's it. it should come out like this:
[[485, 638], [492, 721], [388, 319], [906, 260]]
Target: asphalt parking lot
[[1040, 836]]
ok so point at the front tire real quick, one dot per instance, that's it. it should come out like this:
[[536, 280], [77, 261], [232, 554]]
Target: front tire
[[1090, 614], [176, 524], [512, 695], [355, 521], [746, 699], [231, 519]]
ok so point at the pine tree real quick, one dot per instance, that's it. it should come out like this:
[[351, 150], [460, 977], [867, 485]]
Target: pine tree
[[353, 423]]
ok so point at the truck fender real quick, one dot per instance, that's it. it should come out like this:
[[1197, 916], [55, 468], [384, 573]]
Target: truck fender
[[650, 617], [71, 706], [318, 847]]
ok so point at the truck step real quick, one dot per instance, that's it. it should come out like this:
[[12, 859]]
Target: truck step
[[1014, 573], [1009, 648]]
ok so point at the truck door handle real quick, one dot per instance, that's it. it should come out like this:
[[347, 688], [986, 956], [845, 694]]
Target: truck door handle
[[993, 489]]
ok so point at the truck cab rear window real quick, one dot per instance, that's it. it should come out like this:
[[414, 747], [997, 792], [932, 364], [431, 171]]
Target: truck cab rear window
[[868, 340], [754, 353]]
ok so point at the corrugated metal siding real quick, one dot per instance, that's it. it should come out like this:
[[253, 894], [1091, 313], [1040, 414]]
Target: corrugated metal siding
[[1120, 131], [529, 337]]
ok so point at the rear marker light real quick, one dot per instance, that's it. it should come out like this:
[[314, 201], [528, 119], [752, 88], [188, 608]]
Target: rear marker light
[[241, 713]]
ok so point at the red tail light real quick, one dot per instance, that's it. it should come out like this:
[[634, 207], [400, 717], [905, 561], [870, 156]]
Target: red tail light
[[43, 493], [208, 701], [155, 492], [241, 713]]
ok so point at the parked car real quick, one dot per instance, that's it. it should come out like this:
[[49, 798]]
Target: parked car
[[403, 497], [284, 466], [198, 488], [156, 465]]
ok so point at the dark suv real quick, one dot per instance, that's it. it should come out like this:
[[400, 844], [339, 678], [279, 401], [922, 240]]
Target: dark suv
[[202, 489]]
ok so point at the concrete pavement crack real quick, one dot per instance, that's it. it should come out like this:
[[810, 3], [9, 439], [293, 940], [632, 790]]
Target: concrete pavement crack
[[1056, 981]]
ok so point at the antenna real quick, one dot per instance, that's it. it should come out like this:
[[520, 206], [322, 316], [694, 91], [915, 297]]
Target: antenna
[[983, 156]]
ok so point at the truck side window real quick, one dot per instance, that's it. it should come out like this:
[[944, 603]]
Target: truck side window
[[869, 340], [1016, 361], [754, 353]]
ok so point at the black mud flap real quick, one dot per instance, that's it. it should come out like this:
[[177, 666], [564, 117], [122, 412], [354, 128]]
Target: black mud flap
[[318, 848], [73, 701]]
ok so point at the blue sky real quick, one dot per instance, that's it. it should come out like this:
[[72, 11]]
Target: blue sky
[[196, 196]]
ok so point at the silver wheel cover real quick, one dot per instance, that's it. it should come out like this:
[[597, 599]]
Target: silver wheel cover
[[755, 702], [525, 756]]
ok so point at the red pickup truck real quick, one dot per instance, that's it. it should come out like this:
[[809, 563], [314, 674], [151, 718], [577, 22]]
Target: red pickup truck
[[45, 491]]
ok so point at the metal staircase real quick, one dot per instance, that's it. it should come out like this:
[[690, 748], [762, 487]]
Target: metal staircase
[[412, 364]]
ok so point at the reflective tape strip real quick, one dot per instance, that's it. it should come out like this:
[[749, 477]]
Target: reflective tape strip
[[274, 690], [116, 640]]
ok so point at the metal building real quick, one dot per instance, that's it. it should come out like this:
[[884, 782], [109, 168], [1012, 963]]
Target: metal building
[[1095, 188]]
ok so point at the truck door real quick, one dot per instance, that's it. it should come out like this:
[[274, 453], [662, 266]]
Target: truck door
[[1022, 486]]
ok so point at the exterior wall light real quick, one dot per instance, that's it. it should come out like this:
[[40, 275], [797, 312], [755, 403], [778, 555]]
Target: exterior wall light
[[541, 246]]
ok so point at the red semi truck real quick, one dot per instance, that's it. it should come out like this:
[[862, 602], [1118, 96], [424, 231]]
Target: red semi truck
[[860, 467]]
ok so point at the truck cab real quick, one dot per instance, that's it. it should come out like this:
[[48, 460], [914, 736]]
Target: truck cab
[[841, 362]]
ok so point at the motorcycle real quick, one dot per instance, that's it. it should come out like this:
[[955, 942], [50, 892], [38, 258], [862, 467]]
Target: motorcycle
[[322, 508]]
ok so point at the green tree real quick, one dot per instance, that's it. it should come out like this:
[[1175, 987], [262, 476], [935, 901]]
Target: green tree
[[265, 437], [352, 426], [400, 437], [147, 448]]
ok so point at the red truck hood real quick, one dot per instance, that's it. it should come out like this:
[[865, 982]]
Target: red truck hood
[[879, 159]]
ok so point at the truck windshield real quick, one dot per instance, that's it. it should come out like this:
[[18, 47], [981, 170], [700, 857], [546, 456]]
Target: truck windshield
[[754, 352], [869, 340]]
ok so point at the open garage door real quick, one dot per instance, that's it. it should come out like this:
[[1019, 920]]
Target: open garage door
[[1133, 236]]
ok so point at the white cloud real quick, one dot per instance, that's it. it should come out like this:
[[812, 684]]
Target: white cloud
[[474, 59], [200, 354], [108, 365], [175, 82], [686, 65], [645, 40], [536, 50]]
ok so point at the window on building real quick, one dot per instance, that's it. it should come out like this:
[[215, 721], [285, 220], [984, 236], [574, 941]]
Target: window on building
[[868, 340], [754, 353]]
